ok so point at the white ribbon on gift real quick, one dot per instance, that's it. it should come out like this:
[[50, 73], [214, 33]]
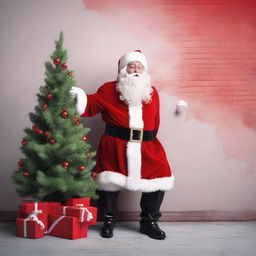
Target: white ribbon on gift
[[32, 216], [54, 224], [57, 220], [84, 209], [80, 205], [64, 210]]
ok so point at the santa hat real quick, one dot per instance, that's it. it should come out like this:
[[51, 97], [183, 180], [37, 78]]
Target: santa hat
[[128, 57]]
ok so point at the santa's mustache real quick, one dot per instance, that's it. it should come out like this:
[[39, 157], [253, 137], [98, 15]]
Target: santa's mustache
[[135, 75]]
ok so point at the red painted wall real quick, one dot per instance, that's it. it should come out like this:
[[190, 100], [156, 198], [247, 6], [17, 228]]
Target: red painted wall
[[208, 53]]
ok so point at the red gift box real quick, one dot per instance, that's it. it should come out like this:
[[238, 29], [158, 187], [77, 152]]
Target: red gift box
[[66, 227], [57, 210], [94, 212], [83, 213], [33, 226], [81, 202], [28, 207]]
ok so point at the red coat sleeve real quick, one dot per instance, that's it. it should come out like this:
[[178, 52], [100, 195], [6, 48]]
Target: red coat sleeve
[[95, 103], [157, 116]]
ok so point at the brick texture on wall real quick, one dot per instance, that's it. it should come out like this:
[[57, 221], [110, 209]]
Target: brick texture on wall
[[209, 47]]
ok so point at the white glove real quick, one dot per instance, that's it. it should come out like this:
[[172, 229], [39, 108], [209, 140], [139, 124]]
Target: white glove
[[81, 99], [181, 107]]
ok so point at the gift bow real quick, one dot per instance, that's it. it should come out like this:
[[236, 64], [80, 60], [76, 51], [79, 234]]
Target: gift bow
[[33, 216], [89, 214]]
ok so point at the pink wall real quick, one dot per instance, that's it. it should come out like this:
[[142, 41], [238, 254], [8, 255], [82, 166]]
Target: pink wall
[[200, 51]]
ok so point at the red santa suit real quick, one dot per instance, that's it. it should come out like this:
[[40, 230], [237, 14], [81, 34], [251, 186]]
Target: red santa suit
[[122, 164]]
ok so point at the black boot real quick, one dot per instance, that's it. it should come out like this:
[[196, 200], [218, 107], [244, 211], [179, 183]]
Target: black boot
[[108, 227], [150, 205], [152, 229], [108, 210]]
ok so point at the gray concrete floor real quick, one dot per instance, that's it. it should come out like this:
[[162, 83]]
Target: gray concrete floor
[[184, 239]]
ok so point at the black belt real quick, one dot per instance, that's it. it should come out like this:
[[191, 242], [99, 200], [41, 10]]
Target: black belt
[[131, 134]]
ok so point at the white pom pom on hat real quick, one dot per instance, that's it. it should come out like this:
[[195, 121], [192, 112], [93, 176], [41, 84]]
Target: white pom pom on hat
[[128, 57]]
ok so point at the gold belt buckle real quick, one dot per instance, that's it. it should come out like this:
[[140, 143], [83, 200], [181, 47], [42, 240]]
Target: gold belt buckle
[[131, 134]]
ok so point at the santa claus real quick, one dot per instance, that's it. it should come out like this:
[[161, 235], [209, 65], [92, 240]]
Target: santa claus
[[129, 155]]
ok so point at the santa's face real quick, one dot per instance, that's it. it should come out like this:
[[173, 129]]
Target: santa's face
[[135, 67], [134, 84]]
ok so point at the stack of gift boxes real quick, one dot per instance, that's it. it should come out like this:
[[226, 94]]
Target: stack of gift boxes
[[71, 221]]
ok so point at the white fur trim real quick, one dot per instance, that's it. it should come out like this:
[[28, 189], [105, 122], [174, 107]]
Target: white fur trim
[[133, 153], [135, 117], [112, 181], [133, 150], [130, 57]]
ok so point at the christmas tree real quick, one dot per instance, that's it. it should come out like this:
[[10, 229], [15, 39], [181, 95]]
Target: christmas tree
[[58, 162]]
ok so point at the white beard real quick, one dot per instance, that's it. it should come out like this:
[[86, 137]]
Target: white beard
[[134, 88]]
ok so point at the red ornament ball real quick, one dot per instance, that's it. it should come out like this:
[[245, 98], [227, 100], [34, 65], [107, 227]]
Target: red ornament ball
[[25, 174], [94, 175], [47, 133], [77, 123], [81, 168], [64, 114], [34, 127], [76, 119], [44, 107], [20, 163], [49, 96], [40, 131], [52, 141], [57, 61], [65, 164], [24, 142], [64, 66], [84, 138], [70, 74]]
